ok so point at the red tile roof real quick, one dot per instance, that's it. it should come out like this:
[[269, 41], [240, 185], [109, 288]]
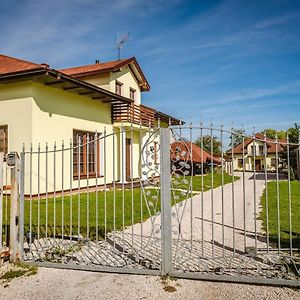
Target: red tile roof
[[105, 67], [12, 65], [271, 145], [181, 147]]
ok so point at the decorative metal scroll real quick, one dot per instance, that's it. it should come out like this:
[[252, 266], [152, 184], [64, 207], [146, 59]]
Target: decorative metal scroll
[[150, 185], [181, 192]]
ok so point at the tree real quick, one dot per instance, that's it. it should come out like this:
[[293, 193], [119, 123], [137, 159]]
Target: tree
[[209, 141], [237, 137], [271, 133], [293, 134]]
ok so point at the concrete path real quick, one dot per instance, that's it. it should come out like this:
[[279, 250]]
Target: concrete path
[[211, 230], [203, 214]]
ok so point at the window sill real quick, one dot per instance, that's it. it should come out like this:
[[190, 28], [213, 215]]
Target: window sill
[[87, 177]]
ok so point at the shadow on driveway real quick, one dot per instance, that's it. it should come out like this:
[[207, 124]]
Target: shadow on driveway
[[270, 176]]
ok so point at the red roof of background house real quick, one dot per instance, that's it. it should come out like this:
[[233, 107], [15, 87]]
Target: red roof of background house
[[105, 67], [12, 65], [271, 145], [197, 152]]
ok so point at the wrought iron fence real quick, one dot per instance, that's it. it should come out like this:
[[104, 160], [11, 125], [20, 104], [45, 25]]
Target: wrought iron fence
[[188, 201], [247, 227], [87, 203]]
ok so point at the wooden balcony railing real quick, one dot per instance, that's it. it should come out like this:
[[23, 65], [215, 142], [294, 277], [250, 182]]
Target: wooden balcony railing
[[259, 152], [132, 113]]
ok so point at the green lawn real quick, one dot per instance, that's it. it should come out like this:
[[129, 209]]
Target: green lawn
[[102, 213], [207, 181], [284, 213]]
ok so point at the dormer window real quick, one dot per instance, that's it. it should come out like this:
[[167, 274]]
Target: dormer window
[[132, 94], [119, 88]]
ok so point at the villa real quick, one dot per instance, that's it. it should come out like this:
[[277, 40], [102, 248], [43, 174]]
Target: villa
[[255, 155], [40, 105]]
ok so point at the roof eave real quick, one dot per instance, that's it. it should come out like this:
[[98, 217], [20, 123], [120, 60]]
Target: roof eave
[[174, 121], [143, 83], [62, 77], [19, 74]]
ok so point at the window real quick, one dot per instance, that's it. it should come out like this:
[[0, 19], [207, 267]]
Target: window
[[4, 139], [273, 162], [119, 88], [261, 149], [156, 152], [132, 94], [240, 163], [86, 160]]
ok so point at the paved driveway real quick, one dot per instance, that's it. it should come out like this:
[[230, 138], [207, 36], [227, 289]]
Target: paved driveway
[[188, 216]]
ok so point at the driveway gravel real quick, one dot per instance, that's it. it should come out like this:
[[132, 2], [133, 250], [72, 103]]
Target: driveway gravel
[[68, 284]]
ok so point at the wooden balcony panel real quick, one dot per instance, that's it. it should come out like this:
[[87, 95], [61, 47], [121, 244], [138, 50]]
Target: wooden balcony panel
[[132, 113]]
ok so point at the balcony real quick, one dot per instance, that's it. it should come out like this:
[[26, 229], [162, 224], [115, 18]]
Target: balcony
[[132, 113], [259, 152]]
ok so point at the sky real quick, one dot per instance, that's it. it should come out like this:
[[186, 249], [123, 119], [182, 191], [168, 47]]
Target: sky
[[230, 62]]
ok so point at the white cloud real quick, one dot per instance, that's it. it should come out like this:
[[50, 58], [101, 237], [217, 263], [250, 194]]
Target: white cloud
[[278, 20]]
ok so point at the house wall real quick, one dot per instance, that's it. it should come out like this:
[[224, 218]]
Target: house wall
[[16, 112], [40, 115], [142, 140], [102, 80], [126, 77], [55, 114], [108, 82], [249, 162], [249, 157]]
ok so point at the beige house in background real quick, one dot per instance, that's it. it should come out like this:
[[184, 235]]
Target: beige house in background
[[253, 152], [40, 106]]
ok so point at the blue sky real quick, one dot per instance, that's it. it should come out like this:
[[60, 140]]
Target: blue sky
[[219, 61]]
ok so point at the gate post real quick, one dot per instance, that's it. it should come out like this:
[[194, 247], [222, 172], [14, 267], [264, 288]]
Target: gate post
[[14, 162], [1, 195], [21, 225], [165, 192]]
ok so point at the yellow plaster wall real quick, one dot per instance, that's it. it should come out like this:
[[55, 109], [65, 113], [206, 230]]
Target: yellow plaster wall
[[102, 81], [249, 162], [39, 114], [126, 77], [108, 81], [55, 114], [16, 112]]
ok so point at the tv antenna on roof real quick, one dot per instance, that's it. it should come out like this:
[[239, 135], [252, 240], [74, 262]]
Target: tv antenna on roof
[[120, 43]]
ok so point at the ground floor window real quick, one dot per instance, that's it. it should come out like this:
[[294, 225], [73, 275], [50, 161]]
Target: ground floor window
[[4, 139], [86, 154]]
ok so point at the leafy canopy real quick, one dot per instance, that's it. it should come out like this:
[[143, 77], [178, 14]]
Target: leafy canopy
[[210, 143]]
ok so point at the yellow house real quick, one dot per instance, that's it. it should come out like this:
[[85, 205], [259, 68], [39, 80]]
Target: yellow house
[[48, 110], [257, 154]]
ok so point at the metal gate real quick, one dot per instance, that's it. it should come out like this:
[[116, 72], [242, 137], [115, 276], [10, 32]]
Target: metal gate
[[193, 207]]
